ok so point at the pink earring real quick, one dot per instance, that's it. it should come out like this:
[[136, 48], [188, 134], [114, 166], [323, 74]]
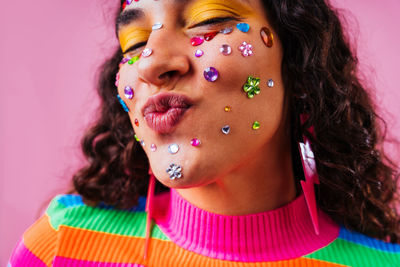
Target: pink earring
[[310, 174], [149, 210]]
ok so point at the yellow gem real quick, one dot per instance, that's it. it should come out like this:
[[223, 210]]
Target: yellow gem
[[228, 108]]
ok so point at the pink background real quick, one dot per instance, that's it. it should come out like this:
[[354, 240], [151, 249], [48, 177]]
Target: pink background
[[50, 51]]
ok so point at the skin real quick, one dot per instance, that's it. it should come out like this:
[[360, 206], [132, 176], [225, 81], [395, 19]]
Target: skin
[[247, 171]]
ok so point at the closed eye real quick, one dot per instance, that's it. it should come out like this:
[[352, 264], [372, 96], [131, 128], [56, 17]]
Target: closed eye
[[134, 47], [213, 21]]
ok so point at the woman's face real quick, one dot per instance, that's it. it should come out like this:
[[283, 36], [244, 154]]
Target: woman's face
[[174, 106]]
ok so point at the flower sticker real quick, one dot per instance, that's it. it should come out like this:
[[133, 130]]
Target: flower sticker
[[252, 87], [174, 171]]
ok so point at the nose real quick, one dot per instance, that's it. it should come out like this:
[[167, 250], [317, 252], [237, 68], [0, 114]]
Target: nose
[[168, 61]]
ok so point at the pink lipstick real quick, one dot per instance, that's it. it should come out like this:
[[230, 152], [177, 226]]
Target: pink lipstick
[[163, 111]]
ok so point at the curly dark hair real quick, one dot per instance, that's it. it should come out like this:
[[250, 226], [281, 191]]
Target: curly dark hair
[[358, 183]]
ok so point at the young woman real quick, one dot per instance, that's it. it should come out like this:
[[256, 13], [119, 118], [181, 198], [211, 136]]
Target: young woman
[[239, 109]]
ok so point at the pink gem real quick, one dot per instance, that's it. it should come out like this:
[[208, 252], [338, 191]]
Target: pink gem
[[153, 147], [147, 52], [195, 142], [199, 53], [117, 79], [246, 49], [225, 50], [195, 41]]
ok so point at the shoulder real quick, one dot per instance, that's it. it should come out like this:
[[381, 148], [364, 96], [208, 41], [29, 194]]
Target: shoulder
[[68, 220], [355, 249]]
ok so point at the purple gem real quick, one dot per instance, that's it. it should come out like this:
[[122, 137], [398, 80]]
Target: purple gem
[[211, 74], [128, 92], [199, 53], [128, 2], [124, 60]]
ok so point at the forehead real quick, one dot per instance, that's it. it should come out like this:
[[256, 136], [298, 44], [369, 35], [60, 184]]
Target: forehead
[[135, 12]]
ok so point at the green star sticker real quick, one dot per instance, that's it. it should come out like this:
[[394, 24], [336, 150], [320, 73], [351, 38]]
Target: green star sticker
[[251, 87]]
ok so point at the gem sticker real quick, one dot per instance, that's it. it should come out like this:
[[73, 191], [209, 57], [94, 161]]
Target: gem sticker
[[228, 108], [209, 36], [226, 129], [251, 87], [133, 60], [225, 50], [136, 138], [137, 122], [128, 91], [243, 27], [153, 148], [173, 149], [124, 106], [199, 53], [117, 79], [157, 26], [227, 30], [174, 171], [195, 41], [270, 83], [147, 52], [195, 142], [256, 125], [211, 74], [142, 143], [246, 49], [267, 36]]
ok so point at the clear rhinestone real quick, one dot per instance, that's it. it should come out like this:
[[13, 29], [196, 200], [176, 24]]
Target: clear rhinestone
[[227, 30], [225, 50], [153, 148], [173, 149], [226, 129], [174, 171], [157, 26], [147, 52], [271, 83], [199, 53]]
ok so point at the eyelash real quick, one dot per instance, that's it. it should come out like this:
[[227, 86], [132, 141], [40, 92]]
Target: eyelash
[[217, 20]]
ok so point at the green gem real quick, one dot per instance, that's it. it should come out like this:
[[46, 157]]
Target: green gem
[[130, 62], [137, 138], [135, 59], [251, 87], [256, 125]]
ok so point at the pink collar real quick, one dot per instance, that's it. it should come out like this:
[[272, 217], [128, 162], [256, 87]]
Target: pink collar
[[284, 233]]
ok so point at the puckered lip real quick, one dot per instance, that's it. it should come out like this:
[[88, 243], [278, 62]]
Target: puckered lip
[[162, 112]]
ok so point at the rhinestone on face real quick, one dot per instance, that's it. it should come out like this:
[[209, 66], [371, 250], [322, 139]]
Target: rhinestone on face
[[251, 87], [228, 108], [256, 125], [117, 79], [128, 2], [270, 83], [199, 53], [173, 149], [225, 50], [195, 41], [147, 52], [142, 143], [137, 138], [157, 26], [124, 60], [267, 37], [153, 147], [246, 49], [243, 27], [195, 142], [209, 36], [226, 129], [174, 171], [124, 106], [137, 122], [128, 91], [227, 30], [211, 74]]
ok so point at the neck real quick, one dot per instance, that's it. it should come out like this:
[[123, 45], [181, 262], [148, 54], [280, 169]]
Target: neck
[[264, 182]]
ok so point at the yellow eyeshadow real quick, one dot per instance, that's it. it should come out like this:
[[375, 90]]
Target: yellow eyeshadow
[[205, 9], [131, 36]]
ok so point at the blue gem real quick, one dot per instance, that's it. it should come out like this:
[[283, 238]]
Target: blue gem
[[243, 27], [123, 103]]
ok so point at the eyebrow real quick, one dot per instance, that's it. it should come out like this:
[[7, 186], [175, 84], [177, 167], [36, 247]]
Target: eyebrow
[[128, 16]]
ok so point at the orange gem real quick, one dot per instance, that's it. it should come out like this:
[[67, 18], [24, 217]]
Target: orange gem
[[267, 37], [137, 122], [228, 108]]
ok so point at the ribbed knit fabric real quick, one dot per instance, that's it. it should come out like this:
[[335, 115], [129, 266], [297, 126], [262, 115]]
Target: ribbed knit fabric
[[73, 234]]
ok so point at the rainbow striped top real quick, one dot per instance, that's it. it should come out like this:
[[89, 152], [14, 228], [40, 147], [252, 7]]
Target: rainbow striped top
[[71, 233]]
